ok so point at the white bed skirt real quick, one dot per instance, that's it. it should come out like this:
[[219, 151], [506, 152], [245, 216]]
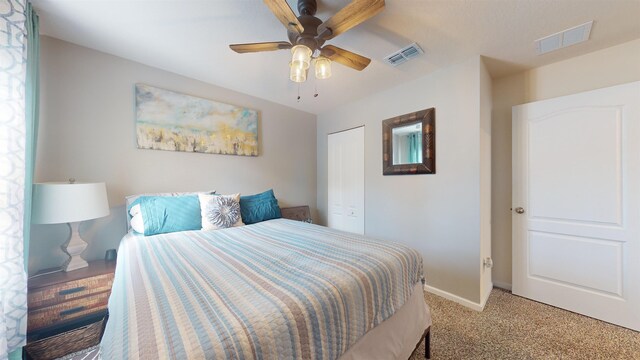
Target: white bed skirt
[[396, 337]]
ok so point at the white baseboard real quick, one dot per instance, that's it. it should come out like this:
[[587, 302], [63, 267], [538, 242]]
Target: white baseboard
[[502, 285], [455, 298]]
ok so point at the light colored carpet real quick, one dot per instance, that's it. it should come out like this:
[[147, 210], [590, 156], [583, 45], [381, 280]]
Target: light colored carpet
[[511, 327]]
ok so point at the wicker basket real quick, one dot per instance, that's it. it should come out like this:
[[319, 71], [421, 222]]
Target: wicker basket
[[66, 343]]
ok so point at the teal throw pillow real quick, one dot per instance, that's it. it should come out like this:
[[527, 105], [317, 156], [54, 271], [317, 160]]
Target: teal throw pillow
[[165, 214], [259, 207]]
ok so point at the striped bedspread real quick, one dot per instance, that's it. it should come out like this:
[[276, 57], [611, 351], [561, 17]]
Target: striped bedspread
[[280, 289]]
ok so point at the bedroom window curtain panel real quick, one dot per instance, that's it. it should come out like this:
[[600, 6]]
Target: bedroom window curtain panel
[[19, 58]]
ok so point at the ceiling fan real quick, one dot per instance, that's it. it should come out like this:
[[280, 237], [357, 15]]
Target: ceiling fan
[[307, 35]]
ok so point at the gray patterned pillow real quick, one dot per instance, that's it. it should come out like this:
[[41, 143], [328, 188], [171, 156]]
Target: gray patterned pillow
[[220, 211]]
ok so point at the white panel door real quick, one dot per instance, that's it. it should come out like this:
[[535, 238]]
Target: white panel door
[[576, 203], [346, 180]]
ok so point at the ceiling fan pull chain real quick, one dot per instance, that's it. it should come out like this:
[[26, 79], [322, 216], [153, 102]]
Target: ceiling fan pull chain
[[298, 92]]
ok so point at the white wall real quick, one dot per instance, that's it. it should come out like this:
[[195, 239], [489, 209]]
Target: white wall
[[439, 215], [612, 66], [87, 132]]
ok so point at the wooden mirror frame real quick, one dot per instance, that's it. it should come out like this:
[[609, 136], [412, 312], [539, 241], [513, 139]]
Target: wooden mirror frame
[[428, 166]]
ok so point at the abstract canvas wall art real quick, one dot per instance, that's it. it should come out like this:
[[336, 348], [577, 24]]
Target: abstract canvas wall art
[[167, 120]]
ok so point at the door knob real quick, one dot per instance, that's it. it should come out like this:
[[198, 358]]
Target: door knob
[[519, 210]]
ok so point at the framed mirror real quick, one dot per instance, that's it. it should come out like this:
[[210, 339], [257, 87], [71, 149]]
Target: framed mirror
[[409, 143]]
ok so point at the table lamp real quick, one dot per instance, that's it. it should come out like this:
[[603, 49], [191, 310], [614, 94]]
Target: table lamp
[[58, 202]]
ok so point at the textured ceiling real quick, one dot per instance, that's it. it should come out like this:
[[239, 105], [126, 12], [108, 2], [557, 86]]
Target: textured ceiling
[[191, 38]]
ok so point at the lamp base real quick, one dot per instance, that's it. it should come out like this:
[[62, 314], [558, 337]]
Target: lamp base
[[74, 247]]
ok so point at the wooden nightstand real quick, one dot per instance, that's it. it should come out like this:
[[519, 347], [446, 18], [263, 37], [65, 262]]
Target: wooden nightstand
[[299, 213], [67, 310]]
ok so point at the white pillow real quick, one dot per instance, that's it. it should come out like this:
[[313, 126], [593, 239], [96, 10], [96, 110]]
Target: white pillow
[[220, 211], [137, 224], [135, 210]]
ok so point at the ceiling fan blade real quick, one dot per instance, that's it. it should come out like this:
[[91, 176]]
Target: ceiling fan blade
[[283, 12], [351, 15], [258, 47], [345, 57]]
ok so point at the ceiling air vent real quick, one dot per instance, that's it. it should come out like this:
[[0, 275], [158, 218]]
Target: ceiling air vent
[[564, 38], [403, 55]]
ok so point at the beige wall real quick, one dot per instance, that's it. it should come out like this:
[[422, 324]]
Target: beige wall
[[87, 132], [615, 65], [439, 215], [485, 180]]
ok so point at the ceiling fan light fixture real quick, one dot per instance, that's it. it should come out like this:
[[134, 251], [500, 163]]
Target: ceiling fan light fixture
[[323, 68], [307, 35], [301, 56], [297, 73]]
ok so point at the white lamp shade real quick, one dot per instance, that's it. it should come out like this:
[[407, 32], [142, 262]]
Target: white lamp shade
[[56, 203]]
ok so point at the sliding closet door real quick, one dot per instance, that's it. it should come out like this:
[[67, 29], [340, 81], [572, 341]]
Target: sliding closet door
[[346, 180]]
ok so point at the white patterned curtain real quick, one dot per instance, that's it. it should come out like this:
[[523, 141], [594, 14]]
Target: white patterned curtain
[[13, 168]]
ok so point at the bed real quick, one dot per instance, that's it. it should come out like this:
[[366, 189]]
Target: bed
[[279, 289]]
